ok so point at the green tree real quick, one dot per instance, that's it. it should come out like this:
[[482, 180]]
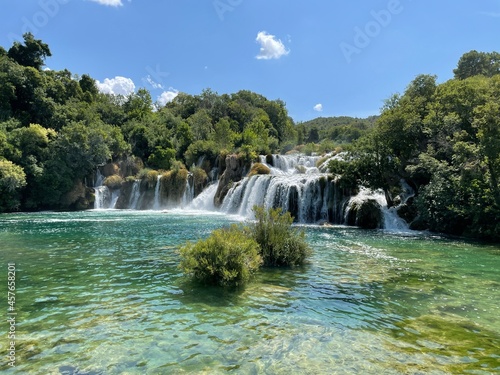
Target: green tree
[[201, 125], [223, 135], [32, 53], [476, 63], [487, 122], [12, 179]]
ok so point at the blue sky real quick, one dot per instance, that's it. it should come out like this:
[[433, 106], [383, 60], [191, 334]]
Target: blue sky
[[322, 57]]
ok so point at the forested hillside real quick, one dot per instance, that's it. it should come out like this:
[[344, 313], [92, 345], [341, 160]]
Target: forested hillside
[[56, 128], [444, 140], [337, 130]]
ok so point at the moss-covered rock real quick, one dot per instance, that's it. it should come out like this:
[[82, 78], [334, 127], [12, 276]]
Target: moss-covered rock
[[110, 169], [113, 182], [200, 179], [235, 169], [259, 168], [366, 214], [173, 185]]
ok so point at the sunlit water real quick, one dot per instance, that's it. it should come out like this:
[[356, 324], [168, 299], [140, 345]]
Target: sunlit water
[[99, 292]]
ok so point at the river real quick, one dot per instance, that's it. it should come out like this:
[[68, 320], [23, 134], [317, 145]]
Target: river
[[100, 292]]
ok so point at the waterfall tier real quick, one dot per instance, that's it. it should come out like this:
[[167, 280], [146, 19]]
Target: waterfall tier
[[294, 183]]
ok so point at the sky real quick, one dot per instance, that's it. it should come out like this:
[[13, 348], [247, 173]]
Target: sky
[[321, 57]]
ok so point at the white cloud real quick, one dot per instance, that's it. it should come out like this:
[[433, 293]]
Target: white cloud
[[167, 96], [116, 86], [111, 3], [270, 47], [318, 107]]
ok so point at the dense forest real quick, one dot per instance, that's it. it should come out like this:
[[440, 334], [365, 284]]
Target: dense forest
[[56, 128], [443, 140]]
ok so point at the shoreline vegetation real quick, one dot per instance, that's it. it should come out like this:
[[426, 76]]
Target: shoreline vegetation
[[441, 139]]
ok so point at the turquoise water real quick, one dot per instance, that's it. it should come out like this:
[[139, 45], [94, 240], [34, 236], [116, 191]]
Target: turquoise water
[[99, 292]]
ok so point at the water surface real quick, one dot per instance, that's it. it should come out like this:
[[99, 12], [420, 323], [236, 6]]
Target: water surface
[[99, 292]]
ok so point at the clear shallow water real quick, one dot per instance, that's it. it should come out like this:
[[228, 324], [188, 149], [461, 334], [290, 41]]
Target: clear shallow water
[[99, 292]]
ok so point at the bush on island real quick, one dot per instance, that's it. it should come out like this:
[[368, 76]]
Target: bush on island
[[228, 257], [225, 258], [280, 243]]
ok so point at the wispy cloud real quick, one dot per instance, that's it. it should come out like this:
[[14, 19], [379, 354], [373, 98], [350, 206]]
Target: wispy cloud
[[490, 14], [270, 47], [116, 86], [318, 107], [111, 3]]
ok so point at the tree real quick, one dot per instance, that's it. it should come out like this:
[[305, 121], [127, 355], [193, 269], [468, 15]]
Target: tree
[[32, 53], [475, 63], [201, 125], [12, 179], [223, 136], [487, 123]]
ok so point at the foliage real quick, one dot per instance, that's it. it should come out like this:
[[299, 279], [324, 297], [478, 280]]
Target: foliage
[[12, 179], [476, 63], [162, 158], [225, 258], [444, 140], [280, 243], [32, 53], [339, 130], [228, 257]]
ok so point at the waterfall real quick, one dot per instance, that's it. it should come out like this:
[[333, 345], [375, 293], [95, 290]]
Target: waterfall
[[114, 198], [102, 197], [294, 184], [101, 192], [156, 204], [391, 220], [188, 195], [205, 201], [135, 195]]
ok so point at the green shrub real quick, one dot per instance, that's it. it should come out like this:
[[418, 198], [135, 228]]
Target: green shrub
[[226, 258], [162, 158], [280, 244]]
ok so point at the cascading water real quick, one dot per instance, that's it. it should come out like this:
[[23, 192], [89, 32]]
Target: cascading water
[[101, 192], [294, 184], [390, 219], [188, 195], [205, 201], [135, 195], [156, 204]]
